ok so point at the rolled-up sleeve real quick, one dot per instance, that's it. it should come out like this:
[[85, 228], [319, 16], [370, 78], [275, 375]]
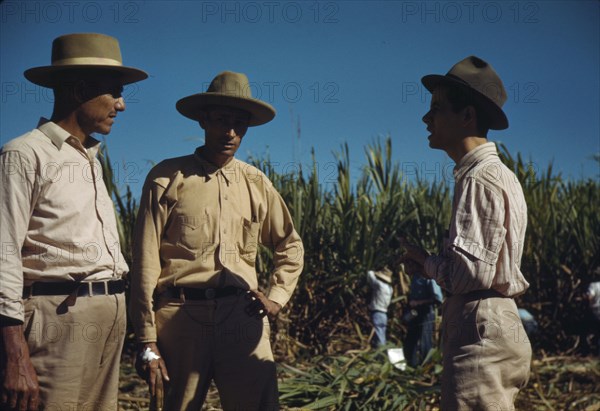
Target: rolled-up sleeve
[[16, 195], [469, 256]]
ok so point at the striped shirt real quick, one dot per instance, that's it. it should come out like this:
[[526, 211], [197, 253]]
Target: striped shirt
[[484, 246]]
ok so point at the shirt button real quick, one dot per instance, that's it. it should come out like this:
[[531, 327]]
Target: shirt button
[[226, 197]]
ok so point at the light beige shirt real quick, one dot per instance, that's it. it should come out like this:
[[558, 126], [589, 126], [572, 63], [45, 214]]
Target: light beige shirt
[[57, 221], [487, 230], [200, 226]]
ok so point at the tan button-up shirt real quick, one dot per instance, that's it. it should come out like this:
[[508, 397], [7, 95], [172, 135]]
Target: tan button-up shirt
[[487, 230], [200, 226], [57, 222]]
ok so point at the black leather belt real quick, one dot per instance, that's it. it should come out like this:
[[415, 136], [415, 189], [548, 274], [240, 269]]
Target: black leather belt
[[81, 289], [479, 295], [188, 293]]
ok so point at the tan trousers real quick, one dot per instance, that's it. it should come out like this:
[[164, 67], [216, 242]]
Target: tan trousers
[[215, 339], [486, 354], [76, 352]]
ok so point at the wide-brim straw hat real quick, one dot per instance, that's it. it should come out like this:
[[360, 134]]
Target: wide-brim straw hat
[[476, 77], [227, 89], [80, 52], [385, 274]]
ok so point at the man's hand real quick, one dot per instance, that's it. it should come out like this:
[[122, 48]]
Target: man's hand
[[413, 253], [154, 371], [260, 305], [20, 389]]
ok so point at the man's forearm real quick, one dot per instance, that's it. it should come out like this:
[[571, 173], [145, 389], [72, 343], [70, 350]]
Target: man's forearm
[[13, 340], [19, 385]]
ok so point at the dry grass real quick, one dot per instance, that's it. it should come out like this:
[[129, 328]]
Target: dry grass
[[557, 383]]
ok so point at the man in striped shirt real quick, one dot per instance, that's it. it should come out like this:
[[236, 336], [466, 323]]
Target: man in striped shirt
[[486, 353]]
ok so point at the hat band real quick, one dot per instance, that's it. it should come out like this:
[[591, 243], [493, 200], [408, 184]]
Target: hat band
[[458, 79], [99, 61]]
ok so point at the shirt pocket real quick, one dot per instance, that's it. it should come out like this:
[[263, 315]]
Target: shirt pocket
[[248, 243], [193, 232]]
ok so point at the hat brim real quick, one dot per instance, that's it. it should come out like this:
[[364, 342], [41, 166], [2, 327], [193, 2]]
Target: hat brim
[[51, 76], [384, 278], [498, 119], [192, 106]]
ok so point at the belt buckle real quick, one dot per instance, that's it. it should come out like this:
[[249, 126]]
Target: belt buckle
[[210, 293], [92, 292]]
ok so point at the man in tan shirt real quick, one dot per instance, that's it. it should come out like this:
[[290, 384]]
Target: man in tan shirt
[[62, 305], [486, 353], [195, 303]]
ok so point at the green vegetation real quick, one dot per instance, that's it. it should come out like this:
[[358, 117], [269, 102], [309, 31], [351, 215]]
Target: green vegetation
[[350, 225]]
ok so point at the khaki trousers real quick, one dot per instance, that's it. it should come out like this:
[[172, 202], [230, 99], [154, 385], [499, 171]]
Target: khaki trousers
[[215, 339], [76, 350], [486, 354]]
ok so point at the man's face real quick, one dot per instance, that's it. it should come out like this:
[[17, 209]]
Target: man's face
[[102, 100], [224, 128], [442, 122]]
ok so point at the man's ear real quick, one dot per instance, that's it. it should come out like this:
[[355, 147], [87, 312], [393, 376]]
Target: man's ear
[[82, 91], [73, 92], [469, 115]]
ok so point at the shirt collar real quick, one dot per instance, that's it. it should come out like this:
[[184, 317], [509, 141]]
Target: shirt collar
[[473, 157], [59, 136], [228, 171]]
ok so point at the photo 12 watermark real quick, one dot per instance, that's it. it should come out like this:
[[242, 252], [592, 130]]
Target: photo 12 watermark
[[275, 91], [61, 253], [271, 12], [72, 172], [69, 12], [525, 92], [470, 12], [25, 92]]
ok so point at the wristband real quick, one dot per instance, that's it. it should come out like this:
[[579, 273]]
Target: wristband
[[148, 355]]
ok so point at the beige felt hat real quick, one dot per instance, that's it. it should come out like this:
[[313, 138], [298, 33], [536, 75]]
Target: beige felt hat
[[227, 89], [385, 274], [79, 52], [479, 78]]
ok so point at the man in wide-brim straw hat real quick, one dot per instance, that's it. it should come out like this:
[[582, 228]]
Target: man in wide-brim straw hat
[[195, 304], [62, 305], [486, 354]]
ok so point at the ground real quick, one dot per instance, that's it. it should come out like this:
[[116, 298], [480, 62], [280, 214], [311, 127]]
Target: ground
[[557, 383]]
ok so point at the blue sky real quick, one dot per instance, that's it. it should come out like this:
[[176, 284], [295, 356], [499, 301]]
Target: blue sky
[[337, 72]]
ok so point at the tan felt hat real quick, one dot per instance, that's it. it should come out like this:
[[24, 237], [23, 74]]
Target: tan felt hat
[[480, 79], [79, 52], [227, 89]]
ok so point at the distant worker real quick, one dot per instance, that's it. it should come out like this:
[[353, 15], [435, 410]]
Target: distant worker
[[593, 297], [529, 322], [381, 297], [423, 298]]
